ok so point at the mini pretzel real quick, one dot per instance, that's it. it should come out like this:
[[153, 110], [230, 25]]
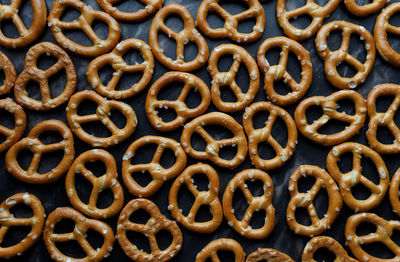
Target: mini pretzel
[[104, 108], [158, 173], [221, 79], [84, 23], [330, 112], [317, 243], [188, 34], [82, 226], [120, 67], [107, 181], [10, 74], [151, 6], [33, 73], [12, 135], [364, 10], [264, 135], [334, 58], [394, 192], [306, 200], [155, 224], [7, 221], [214, 146], [226, 244], [268, 254], [263, 202], [179, 105], [354, 177], [207, 198], [274, 73], [33, 143], [231, 22]]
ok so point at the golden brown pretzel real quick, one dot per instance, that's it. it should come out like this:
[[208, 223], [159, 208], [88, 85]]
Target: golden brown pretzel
[[226, 244], [155, 224], [347, 181], [255, 203], [317, 243], [333, 58], [10, 74], [7, 221], [33, 143], [188, 34], [15, 134], [330, 112], [84, 23], [268, 254], [179, 105], [394, 192], [158, 173], [33, 73], [207, 198], [151, 6], [214, 146], [222, 79], [364, 10]]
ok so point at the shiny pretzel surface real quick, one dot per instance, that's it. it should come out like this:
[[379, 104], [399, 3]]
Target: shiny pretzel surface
[[150, 7], [364, 10], [209, 252], [268, 254], [10, 75], [320, 242], [13, 135]]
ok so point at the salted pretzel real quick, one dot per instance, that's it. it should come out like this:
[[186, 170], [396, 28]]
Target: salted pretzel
[[151, 6], [107, 181], [155, 224], [33, 73], [183, 112], [333, 58], [103, 110], [274, 73], [231, 22], [268, 254], [84, 23], [214, 146], [317, 243], [188, 34], [82, 226], [33, 143], [209, 252], [306, 200], [364, 10], [222, 79], [158, 173], [8, 221], [264, 135], [394, 192], [120, 67], [10, 74], [350, 179], [12, 135], [202, 198], [330, 111]]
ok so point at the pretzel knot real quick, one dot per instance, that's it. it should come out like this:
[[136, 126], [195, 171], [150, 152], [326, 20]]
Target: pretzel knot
[[222, 79], [33, 143], [10, 74], [330, 111], [182, 38], [264, 135], [179, 105], [210, 251], [151, 6], [364, 10], [33, 73], [156, 223], [84, 23], [12, 135], [350, 179], [275, 73], [306, 200], [202, 198], [102, 115], [268, 254], [82, 226], [317, 243], [7, 221], [158, 173], [231, 22]]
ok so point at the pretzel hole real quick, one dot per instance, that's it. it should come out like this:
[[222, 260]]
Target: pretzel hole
[[83, 188], [7, 120], [384, 135], [33, 90], [78, 36], [204, 214], [190, 52], [313, 113], [333, 126], [369, 170], [70, 14], [345, 162], [118, 118], [49, 161], [379, 250], [260, 119], [15, 235], [57, 83], [396, 237], [95, 239], [139, 240], [174, 22], [322, 2], [302, 217], [279, 132], [281, 88], [293, 67], [105, 74], [21, 210], [71, 249], [129, 5], [242, 78], [24, 158], [185, 200], [360, 192], [382, 103], [256, 187], [142, 178], [247, 26], [346, 70], [334, 40], [50, 137], [167, 45], [166, 114], [392, 38], [25, 13], [44, 62], [365, 228], [301, 22], [101, 29], [321, 203], [8, 29], [224, 256], [144, 154], [227, 153], [201, 181], [324, 255], [198, 143], [214, 20], [266, 151], [133, 56], [233, 7], [225, 63], [356, 48], [239, 204], [218, 132], [171, 91], [304, 184], [164, 239], [96, 129], [87, 107], [227, 94], [2, 76], [140, 216], [194, 99], [258, 219], [168, 158], [395, 19]]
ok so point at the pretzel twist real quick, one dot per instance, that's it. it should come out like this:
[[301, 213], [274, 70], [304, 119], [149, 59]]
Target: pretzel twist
[[226, 244], [364, 10], [268, 254], [317, 243], [10, 75], [15, 134], [394, 192], [151, 6]]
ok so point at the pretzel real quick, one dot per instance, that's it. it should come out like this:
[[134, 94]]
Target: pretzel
[[155, 224], [179, 105], [333, 58], [209, 252], [207, 198], [214, 146], [231, 22], [82, 226], [306, 200], [151, 6], [10, 74], [274, 73], [268, 254], [188, 34], [264, 135], [103, 110], [15, 134], [394, 192], [107, 181], [330, 112], [364, 10], [84, 23], [120, 67], [33, 73], [354, 177], [221, 79], [317, 243], [33, 143], [7, 221], [158, 173]]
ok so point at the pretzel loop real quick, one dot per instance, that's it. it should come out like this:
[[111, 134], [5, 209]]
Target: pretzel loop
[[364, 10], [15, 134], [226, 244], [10, 75], [317, 243], [151, 6], [268, 254]]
